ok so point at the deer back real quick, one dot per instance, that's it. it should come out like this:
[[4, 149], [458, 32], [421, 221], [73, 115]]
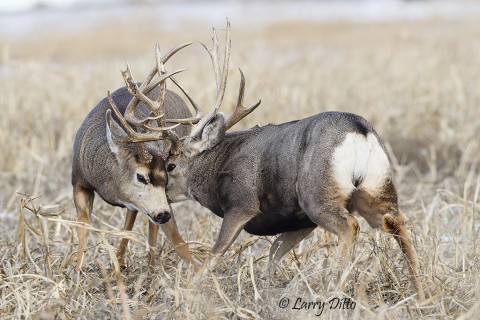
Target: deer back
[[259, 169]]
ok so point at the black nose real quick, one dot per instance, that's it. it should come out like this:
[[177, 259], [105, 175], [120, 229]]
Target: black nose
[[162, 217]]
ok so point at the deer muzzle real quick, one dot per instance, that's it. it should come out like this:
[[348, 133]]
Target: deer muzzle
[[162, 217]]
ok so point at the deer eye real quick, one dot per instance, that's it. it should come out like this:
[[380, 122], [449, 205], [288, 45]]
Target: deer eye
[[171, 166], [141, 179]]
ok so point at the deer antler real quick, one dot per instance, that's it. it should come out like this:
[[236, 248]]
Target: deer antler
[[132, 135], [221, 75], [157, 107], [140, 93], [240, 110]]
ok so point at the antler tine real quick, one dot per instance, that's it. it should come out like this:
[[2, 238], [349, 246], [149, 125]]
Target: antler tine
[[220, 76], [198, 112], [141, 96], [195, 105], [240, 110], [163, 87], [213, 53], [146, 86], [170, 53], [158, 81], [163, 60], [129, 130]]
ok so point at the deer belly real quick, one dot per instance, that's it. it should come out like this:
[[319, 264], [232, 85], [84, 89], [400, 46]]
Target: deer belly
[[272, 223]]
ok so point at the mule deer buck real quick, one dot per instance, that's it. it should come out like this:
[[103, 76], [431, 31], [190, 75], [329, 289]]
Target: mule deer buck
[[123, 159], [286, 179]]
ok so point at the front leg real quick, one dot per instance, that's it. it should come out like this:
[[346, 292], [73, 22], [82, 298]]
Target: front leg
[[284, 243], [152, 242], [233, 223], [176, 241], [129, 222], [83, 199]]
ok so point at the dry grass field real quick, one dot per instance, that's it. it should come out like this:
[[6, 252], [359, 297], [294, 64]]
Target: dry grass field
[[417, 82]]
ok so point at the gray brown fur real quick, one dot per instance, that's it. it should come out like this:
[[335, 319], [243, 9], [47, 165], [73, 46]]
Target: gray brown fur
[[96, 168], [91, 151], [279, 179]]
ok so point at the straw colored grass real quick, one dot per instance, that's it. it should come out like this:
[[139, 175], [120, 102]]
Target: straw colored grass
[[417, 82]]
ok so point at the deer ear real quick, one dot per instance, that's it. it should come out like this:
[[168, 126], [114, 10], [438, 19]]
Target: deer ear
[[211, 134], [113, 132]]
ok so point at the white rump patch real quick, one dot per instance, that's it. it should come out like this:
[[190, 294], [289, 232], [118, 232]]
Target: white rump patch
[[362, 159]]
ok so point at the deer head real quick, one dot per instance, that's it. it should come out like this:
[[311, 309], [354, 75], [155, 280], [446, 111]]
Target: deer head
[[135, 143]]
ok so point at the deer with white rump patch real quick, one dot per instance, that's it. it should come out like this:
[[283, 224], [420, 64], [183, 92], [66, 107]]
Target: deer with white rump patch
[[122, 158], [286, 179]]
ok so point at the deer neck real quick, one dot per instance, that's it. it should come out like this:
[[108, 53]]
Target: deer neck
[[207, 170]]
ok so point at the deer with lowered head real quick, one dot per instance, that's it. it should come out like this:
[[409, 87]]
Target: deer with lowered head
[[286, 179], [122, 158]]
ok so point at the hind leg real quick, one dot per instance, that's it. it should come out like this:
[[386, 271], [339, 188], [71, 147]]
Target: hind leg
[[332, 215], [284, 243], [83, 199], [327, 207], [381, 211], [337, 220], [325, 204], [394, 224]]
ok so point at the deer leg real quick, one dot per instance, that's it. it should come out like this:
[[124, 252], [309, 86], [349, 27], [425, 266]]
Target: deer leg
[[394, 224], [232, 224], [129, 221], [152, 242], [326, 206], [327, 238], [382, 212], [83, 199], [284, 243], [337, 220], [181, 248]]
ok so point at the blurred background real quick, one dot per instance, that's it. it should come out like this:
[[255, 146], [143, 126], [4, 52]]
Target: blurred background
[[411, 68], [389, 61], [21, 17]]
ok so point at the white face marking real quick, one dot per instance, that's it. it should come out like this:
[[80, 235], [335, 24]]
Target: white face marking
[[162, 175], [149, 199], [360, 158], [142, 197]]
